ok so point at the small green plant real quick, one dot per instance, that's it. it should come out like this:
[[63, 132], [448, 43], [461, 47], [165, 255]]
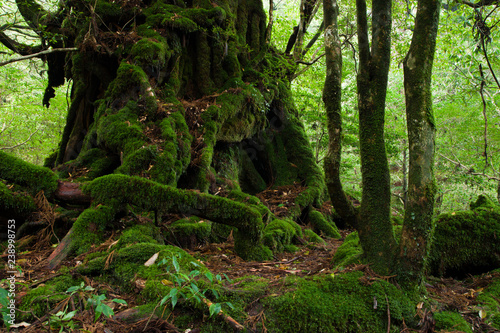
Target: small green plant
[[62, 320], [186, 286], [97, 302], [4, 309]]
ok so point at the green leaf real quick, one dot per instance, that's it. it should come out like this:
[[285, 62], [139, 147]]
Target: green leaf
[[69, 315], [214, 309], [4, 299], [209, 276], [107, 310], [164, 299], [174, 300], [119, 301], [194, 287]]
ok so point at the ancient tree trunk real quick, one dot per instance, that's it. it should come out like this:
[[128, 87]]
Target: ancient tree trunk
[[177, 108], [332, 97], [418, 226], [375, 229]]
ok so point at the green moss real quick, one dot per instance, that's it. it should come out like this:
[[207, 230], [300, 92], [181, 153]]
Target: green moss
[[451, 321], [189, 232], [321, 224], [150, 52], [349, 252], [126, 264], [150, 195], [279, 233], [37, 302], [489, 301], [142, 233], [476, 231], [15, 204], [97, 161], [90, 226], [342, 303], [483, 201], [121, 132], [313, 237], [33, 177]]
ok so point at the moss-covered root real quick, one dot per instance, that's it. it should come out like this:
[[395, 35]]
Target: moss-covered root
[[87, 230], [323, 225], [35, 178], [15, 205], [150, 195]]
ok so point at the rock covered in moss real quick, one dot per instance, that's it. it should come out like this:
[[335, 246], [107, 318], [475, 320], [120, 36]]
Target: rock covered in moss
[[466, 242], [337, 303]]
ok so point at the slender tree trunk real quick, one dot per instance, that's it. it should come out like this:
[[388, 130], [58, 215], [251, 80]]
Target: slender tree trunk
[[418, 226], [332, 97], [375, 229]]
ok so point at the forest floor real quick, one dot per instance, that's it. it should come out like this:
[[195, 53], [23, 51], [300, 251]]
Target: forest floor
[[220, 258], [458, 295]]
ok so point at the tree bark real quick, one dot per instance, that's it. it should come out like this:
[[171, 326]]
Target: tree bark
[[418, 225], [332, 97]]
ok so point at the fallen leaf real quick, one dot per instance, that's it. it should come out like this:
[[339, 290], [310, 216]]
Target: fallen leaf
[[151, 260]]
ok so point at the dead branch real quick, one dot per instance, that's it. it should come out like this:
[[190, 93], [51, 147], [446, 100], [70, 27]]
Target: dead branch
[[38, 54], [19, 144]]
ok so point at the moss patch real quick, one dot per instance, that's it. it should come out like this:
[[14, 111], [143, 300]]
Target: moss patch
[[33, 177], [447, 321], [349, 252], [321, 224], [477, 233], [342, 303]]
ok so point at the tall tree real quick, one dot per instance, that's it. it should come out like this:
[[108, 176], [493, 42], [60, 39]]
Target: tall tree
[[418, 223], [372, 220]]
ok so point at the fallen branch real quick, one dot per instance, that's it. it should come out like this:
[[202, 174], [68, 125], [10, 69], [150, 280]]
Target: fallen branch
[[35, 55], [228, 319]]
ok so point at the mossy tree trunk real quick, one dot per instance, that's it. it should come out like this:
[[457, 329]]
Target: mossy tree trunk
[[373, 219], [332, 97], [418, 222], [187, 96], [375, 229]]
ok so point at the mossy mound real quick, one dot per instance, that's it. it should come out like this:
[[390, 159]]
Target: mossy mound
[[126, 265], [15, 204], [349, 252], [280, 233], [313, 237], [466, 242], [323, 225], [447, 321], [38, 301], [489, 301], [340, 303], [34, 178], [189, 232]]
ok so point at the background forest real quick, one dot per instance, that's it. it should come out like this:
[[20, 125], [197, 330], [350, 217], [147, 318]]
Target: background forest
[[468, 133]]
